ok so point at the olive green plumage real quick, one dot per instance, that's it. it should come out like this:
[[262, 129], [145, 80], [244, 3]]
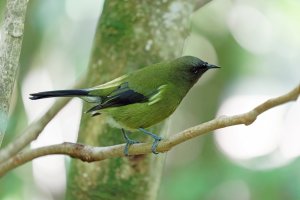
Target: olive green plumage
[[141, 98]]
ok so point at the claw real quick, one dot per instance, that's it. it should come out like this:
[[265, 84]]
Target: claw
[[155, 144]]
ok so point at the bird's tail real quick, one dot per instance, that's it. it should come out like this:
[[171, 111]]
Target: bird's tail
[[59, 93]]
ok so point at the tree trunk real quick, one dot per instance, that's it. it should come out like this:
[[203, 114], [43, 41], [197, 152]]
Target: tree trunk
[[10, 48], [130, 35]]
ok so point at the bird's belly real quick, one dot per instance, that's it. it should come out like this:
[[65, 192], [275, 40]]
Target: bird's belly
[[139, 115], [112, 122]]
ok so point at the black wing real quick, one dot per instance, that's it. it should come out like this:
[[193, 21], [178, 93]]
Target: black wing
[[122, 96]]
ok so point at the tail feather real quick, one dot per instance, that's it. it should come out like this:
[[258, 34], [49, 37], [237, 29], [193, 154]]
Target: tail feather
[[58, 93]]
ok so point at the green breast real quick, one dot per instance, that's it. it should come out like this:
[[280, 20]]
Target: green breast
[[143, 115]]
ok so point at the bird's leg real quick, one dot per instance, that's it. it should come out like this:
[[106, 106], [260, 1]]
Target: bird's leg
[[156, 138], [128, 142]]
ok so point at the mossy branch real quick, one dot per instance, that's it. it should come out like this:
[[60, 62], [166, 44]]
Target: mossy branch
[[90, 154]]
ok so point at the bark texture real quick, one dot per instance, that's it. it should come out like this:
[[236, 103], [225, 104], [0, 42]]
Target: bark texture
[[10, 48], [130, 35]]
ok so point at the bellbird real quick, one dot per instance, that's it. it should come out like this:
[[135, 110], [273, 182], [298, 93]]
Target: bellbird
[[142, 98]]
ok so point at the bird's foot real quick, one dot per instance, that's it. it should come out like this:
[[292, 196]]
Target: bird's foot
[[128, 142], [156, 138], [155, 144]]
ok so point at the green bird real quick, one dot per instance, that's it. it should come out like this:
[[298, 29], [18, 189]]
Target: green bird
[[142, 98]]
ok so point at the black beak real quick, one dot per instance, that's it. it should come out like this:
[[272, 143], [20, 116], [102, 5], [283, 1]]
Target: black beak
[[210, 66]]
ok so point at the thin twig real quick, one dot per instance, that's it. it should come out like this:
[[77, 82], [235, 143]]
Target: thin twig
[[34, 129], [90, 154]]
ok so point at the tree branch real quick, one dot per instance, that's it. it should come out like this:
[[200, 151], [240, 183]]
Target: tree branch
[[34, 129], [10, 48], [90, 154]]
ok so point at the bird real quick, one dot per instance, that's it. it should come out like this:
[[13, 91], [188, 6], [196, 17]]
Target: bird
[[142, 98]]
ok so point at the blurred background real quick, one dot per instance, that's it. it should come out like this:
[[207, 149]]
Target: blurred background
[[257, 44]]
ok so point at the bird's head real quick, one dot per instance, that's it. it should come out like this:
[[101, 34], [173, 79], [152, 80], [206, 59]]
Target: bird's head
[[191, 68]]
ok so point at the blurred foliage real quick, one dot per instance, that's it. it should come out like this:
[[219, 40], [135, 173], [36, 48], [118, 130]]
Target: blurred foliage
[[2, 8], [212, 175], [196, 169]]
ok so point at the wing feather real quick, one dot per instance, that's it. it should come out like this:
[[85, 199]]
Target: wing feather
[[157, 96], [118, 93], [121, 96]]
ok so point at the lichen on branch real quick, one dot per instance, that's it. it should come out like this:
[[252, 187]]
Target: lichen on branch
[[10, 49]]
